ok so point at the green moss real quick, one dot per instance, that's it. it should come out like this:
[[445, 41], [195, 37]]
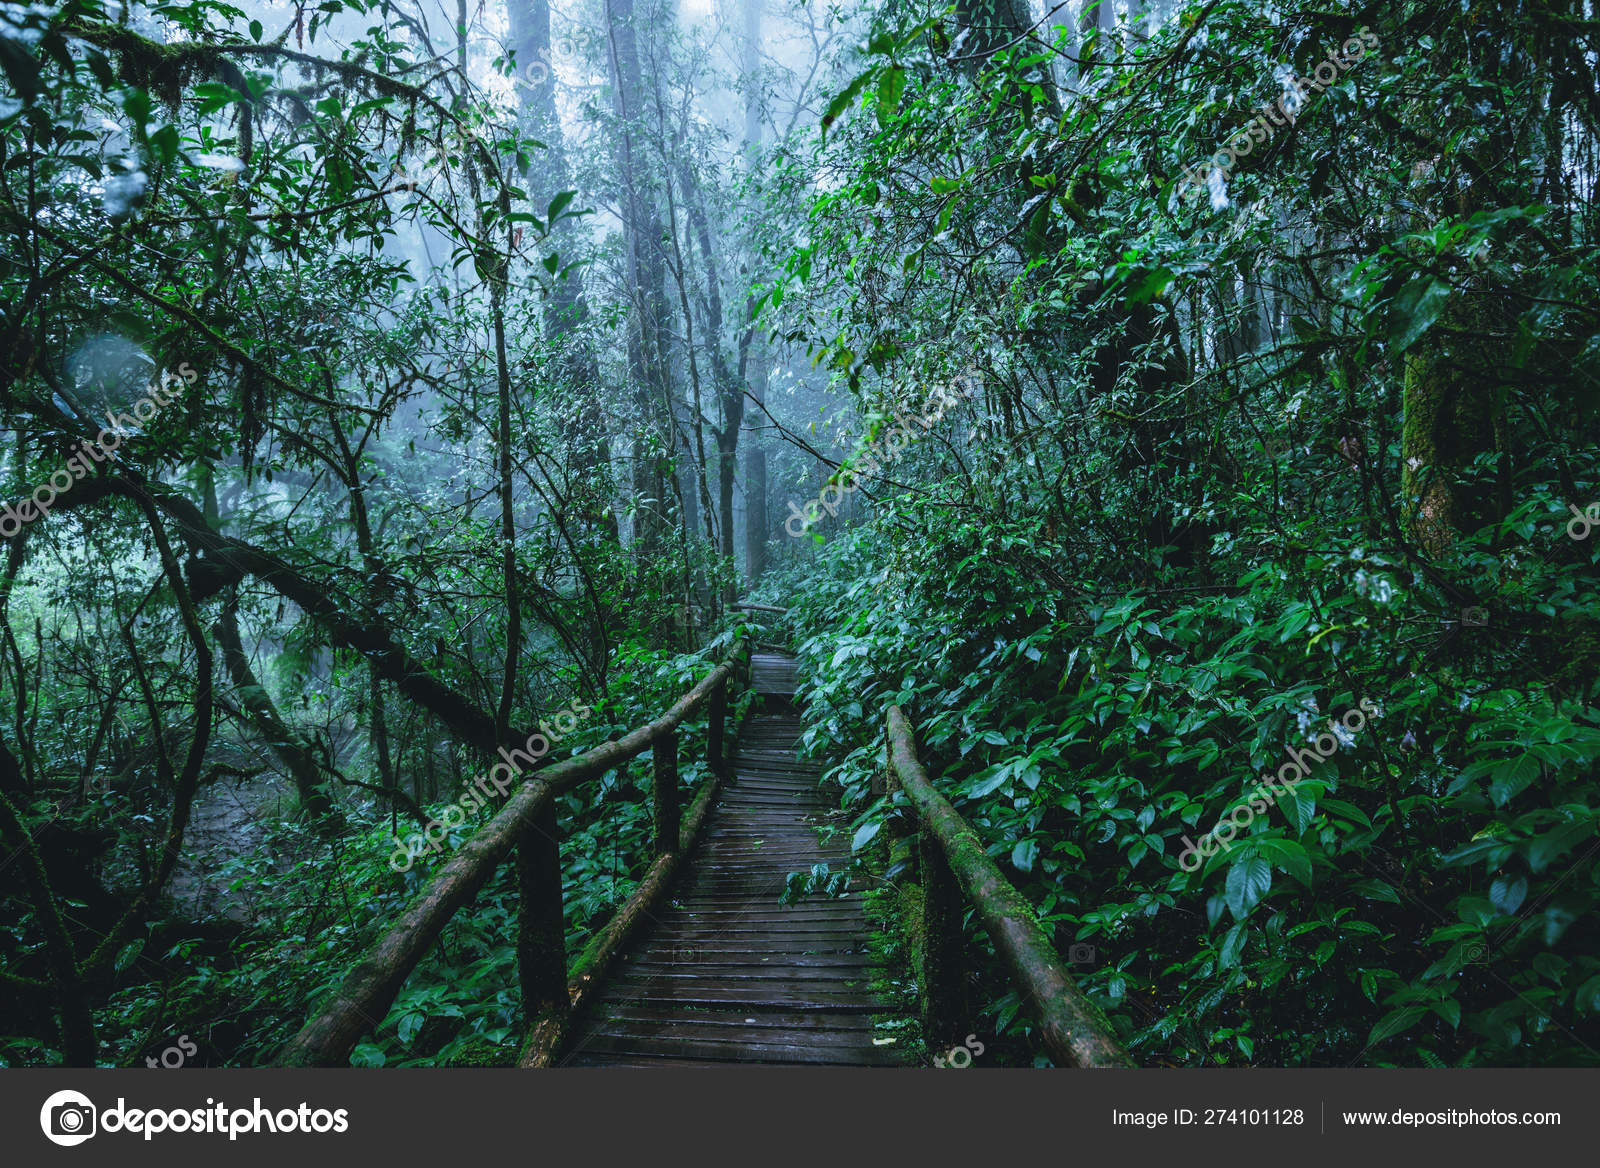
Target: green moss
[[481, 1053]]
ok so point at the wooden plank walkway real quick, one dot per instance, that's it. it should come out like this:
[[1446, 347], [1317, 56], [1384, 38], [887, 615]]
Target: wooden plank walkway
[[725, 974]]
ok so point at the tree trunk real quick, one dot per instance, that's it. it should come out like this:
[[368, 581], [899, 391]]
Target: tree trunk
[[286, 744], [754, 357], [647, 343], [566, 309]]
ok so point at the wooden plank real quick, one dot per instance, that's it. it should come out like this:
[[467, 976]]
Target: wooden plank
[[727, 974], [744, 998], [681, 1046], [761, 1019], [795, 976]]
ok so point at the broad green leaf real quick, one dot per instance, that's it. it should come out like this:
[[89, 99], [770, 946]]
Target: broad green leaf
[[1025, 854], [1395, 1022], [1248, 881], [1416, 309], [891, 84], [1508, 892]]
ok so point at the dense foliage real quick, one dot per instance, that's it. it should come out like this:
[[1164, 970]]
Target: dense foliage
[[1244, 460], [517, 341]]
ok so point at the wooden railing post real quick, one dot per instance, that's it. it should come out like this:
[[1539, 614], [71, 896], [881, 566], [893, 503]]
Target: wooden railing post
[[942, 978], [714, 732], [665, 752], [1072, 1029], [525, 825], [541, 936]]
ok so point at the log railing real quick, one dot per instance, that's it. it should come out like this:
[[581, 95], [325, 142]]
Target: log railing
[[527, 823], [749, 606], [955, 864]]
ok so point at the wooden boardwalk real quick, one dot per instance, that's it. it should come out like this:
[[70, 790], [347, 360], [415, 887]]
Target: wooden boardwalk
[[724, 974]]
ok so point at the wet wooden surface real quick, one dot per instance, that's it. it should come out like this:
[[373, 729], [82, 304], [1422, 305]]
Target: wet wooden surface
[[724, 974]]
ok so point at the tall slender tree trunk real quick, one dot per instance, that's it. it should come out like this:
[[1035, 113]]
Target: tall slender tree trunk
[[566, 309], [753, 370], [1452, 382], [647, 343]]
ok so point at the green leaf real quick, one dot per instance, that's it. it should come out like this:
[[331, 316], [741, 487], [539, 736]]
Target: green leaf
[[20, 67], [891, 84], [128, 954], [1154, 284], [367, 1055], [1232, 946], [136, 104], [1557, 843], [1349, 810], [1512, 778], [557, 205], [211, 96], [1395, 1022], [1587, 998], [864, 835], [341, 181], [1025, 854], [1415, 310], [1450, 1011], [1248, 881], [842, 102], [1288, 856], [1507, 894], [1299, 807], [1375, 889], [410, 1025], [993, 783]]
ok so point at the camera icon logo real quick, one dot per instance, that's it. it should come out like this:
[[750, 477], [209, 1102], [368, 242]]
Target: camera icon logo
[[67, 1118], [1081, 954], [1475, 616]]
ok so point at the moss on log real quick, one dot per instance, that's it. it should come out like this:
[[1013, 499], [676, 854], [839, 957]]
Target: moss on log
[[1074, 1031], [549, 1031], [361, 1002]]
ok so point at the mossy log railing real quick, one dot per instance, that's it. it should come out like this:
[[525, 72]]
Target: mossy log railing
[[527, 823], [1074, 1031]]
